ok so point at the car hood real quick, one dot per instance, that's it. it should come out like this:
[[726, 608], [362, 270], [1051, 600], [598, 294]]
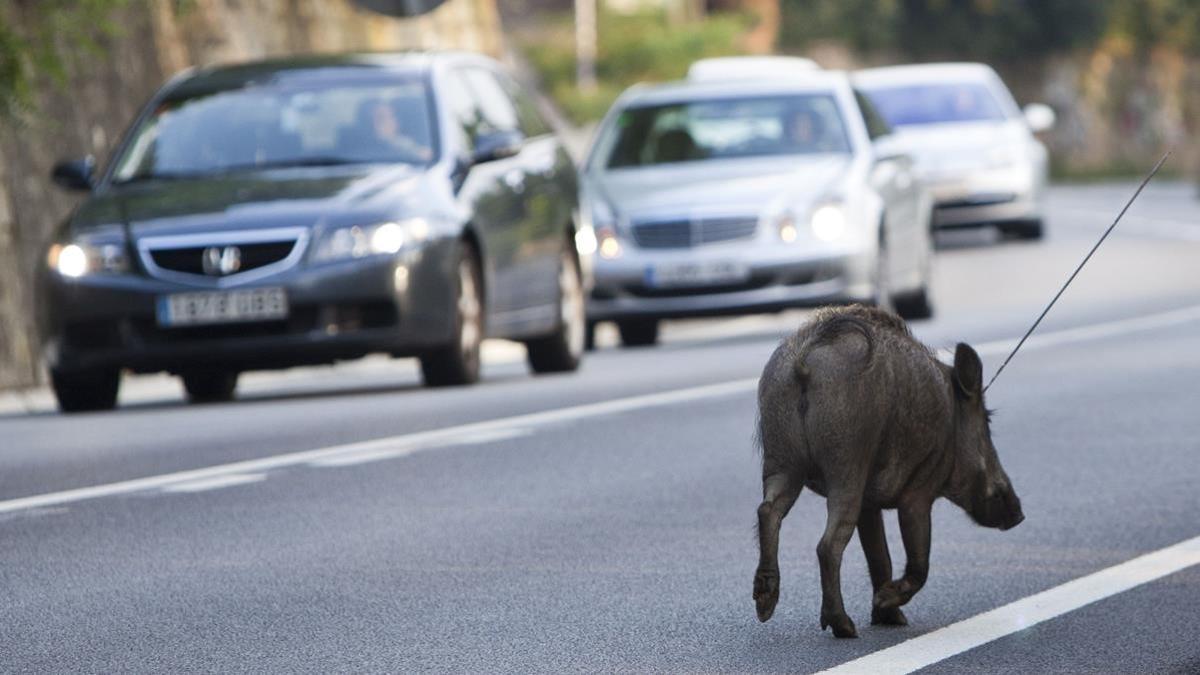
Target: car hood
[[960, 144], [744, 185], [276, 198]]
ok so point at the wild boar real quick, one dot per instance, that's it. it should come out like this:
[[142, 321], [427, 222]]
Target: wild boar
[[858, 411]]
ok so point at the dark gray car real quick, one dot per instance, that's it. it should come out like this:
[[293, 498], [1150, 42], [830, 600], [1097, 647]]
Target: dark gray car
[[295, 212]]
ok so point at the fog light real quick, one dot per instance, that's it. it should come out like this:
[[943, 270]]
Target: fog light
[[828, 223]]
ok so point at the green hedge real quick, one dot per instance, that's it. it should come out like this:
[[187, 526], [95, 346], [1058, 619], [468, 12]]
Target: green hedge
[[631, 49]]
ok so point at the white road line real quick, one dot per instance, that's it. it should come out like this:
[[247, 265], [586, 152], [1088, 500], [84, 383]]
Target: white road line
[[415, 441], [398, 446], [1095, 331], [215, 483], [957, 638], [375, 455]]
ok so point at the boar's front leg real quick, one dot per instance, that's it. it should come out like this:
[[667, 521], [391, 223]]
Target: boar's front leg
[[914, 528], [779, 493], [843, 511], [873, 538]]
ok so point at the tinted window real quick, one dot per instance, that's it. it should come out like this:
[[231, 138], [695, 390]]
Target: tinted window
[[727, 128], [464, 109], [936, 103], [244, 128], [497, 109], [532, 124]]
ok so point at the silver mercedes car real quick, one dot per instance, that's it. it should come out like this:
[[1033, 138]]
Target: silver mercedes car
[[721, 196], [974, 147]]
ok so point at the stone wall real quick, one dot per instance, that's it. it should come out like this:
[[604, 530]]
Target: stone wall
[[154, 39]]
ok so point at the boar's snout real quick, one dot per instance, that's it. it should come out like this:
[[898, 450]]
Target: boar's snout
[[1001, 509]]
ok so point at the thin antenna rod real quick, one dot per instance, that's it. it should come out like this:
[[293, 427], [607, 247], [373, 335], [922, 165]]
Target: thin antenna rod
[[1081, 264]]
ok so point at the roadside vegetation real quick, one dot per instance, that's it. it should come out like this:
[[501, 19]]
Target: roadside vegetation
[[641, 47]]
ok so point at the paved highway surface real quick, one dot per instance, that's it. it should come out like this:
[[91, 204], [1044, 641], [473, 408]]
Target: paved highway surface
[[344, 519]]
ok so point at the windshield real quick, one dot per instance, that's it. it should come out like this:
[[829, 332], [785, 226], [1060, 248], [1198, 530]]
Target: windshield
[[937, 103], [269, 126], [727, 128]]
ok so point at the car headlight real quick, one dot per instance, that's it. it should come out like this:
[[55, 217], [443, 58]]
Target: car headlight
[[609, 245], [79, 259], [359, 241], [828, 222], [604, 223], [786, 227]]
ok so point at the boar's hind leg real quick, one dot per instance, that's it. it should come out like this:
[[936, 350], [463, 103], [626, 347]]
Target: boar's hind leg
[[873, 538], [914, 527], [779, 493], [843, 510]]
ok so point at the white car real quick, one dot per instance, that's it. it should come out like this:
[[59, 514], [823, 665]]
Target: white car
[[712, 196], [975, 149]]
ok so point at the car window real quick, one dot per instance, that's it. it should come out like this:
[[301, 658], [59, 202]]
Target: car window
[[532, 123], [253, 126], [727, 128], [876, 125], [936, 103], [498, 113], [464, 109]]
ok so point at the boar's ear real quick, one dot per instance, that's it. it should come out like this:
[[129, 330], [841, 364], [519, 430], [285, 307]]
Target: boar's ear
[[968, 372]]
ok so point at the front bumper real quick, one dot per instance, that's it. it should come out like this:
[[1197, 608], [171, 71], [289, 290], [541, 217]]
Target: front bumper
[[399, 305], [985, 196], [780, 276]]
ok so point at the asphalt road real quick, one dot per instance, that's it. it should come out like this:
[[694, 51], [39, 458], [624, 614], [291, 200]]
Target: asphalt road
[[603, 521]]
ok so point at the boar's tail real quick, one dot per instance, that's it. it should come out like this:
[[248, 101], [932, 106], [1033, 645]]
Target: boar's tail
[[824, 332]]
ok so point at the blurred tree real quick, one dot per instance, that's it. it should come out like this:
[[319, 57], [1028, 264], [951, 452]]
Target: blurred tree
[[40, 38], [986, 30]]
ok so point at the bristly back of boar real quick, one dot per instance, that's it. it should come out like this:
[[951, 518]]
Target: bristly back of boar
[[829, 323]]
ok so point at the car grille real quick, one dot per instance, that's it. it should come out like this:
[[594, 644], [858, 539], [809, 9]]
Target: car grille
[[190, 260], [687, 233]]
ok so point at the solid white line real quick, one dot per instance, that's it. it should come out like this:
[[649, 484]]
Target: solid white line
[[409, 442], [957, 638], [215, 483]]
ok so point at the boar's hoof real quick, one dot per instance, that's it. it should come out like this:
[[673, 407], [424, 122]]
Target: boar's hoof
[[766, 594], [888, 617], [843, 627], [890, 595]]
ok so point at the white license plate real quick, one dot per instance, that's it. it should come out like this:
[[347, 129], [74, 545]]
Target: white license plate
[[713, 273], [251, 304]]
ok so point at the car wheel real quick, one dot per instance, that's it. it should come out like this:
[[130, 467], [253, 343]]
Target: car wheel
[[212, 386], [85, 390], [638, 332], [458, 363], [1026, 229], [562, 350], [913, 305]]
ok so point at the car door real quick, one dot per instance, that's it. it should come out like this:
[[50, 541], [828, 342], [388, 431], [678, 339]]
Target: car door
[[532, 251], [491, 194]]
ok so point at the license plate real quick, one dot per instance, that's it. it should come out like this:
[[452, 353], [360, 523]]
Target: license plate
[[251, 304], [696, 274]]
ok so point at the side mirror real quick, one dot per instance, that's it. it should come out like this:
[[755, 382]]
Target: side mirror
[[75, 174], [1039, 116], [497, 145]]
